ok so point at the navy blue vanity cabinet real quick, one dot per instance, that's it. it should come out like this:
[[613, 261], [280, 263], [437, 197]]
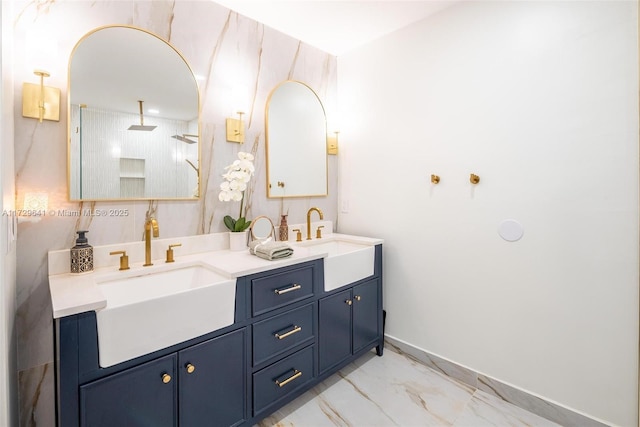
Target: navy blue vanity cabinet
[[142, 396], [278, 334], [335, 329], [284, 308], [202, 385], [212, 382], [282, 288], [350, 321], [366, 310], [283, 378], [288, 335]]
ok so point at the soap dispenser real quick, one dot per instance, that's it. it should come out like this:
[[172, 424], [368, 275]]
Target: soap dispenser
[[283, 229], [81, 255]]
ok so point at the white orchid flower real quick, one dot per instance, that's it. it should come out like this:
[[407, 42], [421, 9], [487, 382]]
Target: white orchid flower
[[236, 177], [245, 156]]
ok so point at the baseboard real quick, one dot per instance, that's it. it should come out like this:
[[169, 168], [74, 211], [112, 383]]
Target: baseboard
[[532, 403]]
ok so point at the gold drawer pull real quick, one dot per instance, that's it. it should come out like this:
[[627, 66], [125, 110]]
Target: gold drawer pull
[[357, 297], [295, 287], [349, 302], [166, 378], [295, 375], [291, 332], [190, 368]]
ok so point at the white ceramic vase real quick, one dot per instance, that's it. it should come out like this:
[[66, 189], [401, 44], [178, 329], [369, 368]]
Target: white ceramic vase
[[237, 240]]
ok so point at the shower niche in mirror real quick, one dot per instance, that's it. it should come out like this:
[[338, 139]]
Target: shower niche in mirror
[[133, 118], [296, 142]]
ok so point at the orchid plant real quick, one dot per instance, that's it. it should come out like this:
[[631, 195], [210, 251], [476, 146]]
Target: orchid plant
[[237, 176]]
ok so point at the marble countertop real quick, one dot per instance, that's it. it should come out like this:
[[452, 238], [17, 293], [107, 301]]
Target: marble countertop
[[78, 293]]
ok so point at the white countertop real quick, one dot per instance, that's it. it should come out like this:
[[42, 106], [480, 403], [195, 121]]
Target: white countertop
[[73, 293]]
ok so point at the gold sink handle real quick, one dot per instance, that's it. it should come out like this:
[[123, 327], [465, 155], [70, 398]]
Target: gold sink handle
[[124, 259], [170, 252]]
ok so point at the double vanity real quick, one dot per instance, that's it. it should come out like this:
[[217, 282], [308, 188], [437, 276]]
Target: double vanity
[[216, 338]]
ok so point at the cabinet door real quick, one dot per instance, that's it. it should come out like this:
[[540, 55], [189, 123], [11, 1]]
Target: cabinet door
[[213, 381], [334, 329], [365, 314], [144, 396]]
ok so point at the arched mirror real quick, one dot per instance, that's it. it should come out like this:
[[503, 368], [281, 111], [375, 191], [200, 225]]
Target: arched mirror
[[133, 118], [296, 142]]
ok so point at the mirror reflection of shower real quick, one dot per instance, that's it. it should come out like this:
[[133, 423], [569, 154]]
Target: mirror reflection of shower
[[186, 137], [110, 162], [141, 126]]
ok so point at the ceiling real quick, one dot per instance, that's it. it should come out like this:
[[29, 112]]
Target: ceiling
[[336, 26]]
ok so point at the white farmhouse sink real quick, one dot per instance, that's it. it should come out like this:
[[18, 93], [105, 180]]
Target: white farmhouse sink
[[347, 260], [148, 310]]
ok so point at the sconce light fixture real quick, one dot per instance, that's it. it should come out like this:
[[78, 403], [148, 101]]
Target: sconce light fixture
[[332, 144], [39, 101], [34, 207], [235, 129], [435, 179], [474, 179]]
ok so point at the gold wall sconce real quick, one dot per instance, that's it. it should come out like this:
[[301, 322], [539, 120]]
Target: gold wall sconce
[[474, 179], [281, 184], [235, 129], [34, 207], [435, 179], [332, 144], [39, 101]]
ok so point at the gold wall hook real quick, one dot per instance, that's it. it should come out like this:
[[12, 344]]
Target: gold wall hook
[[435, 179], [39, 101], [474, 179]]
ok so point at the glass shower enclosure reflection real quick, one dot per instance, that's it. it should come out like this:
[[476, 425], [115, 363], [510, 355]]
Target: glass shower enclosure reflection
[[107, 161]]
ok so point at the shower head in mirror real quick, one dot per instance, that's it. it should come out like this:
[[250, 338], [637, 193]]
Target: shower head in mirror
[[141, 126], [184, 138]]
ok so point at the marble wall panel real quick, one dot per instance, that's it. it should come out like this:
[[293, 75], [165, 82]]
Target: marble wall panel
[[237, 61]]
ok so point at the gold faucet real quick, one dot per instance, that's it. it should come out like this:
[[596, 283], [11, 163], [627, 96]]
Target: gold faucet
[[309, 220], [149, 224]]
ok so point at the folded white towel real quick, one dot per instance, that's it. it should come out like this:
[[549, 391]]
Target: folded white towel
[[270, 250]]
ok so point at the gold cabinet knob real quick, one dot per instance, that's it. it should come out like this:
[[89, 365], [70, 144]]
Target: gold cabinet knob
[[166, 378], [349, 302], [190, 368], [357, 297]]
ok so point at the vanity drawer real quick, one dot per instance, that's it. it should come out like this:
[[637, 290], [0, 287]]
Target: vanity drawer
[[283, 332], [277, 290], [282, 378]]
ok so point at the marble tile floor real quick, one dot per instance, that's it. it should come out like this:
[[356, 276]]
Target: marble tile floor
[[396, 390]]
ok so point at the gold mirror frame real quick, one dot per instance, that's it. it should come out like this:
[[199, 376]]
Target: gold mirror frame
[[263, 221], [179, 149], [302, 163]]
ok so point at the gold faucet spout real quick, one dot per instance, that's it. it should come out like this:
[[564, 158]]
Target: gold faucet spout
[[150, 227], [309, 220]]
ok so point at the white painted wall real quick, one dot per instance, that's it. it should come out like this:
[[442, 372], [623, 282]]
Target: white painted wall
[[540, 99], [8, 376]]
